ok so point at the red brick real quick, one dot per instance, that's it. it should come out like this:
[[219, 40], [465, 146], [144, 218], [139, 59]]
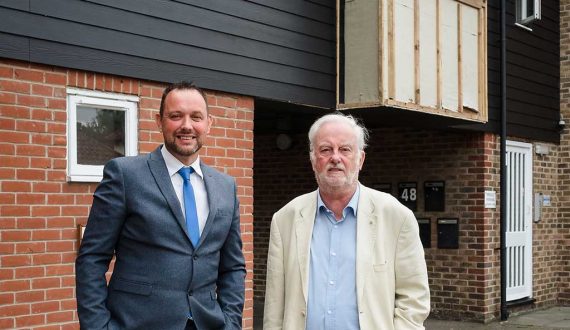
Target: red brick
[[46, 211], [6, 72], [31, 175], [15, 285], [56, 176], [7, 323], [55, 78], [56, 104], [29, 75], [31, 126], [14, 137], [58, 317], [31, 320], [31, 101], [56, 294], [7, 124], [29, 296], [30, 272], [7, 248], [60, 246], [14, 111], [45, 307], [31, 150], [6, 299], [15, 86], [14, 310], [7, 149], [45, 283], [57, 152], [15, 210], [68, 304], [61, 270], [40, 235], [7, 174], [31, 223], [6, 274], [42, 139], [46, 187], [42, 90], [46, 259], [15, 260], [7, 98]]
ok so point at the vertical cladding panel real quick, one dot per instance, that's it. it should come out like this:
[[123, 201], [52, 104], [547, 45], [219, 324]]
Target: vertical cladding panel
[[361, 52], [469, 54], [449, 55], [404, 50], [428, 53]]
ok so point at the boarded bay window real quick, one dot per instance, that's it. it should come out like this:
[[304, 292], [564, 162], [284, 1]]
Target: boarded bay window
[[100, 127], [527, 11], [421, 55]]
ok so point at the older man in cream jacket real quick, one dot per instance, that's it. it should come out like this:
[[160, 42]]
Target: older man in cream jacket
[[344, 256]]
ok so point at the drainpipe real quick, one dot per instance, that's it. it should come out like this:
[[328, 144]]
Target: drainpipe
[[503, 193]]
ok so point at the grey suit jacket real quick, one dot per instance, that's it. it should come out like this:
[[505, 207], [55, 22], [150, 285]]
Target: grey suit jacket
[[158, 275]]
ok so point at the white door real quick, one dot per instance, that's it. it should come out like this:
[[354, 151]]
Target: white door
[[519, 220]]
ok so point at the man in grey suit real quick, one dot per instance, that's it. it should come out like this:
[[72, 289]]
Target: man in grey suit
[[179, 261]]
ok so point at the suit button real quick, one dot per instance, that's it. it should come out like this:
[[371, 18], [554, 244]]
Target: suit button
[[190, 293], [195, 258]]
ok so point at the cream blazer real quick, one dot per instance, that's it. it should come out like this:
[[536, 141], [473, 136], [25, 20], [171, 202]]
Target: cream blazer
[[391, 275]]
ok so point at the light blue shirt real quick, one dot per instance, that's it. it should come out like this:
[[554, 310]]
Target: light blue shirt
[[332, 301]]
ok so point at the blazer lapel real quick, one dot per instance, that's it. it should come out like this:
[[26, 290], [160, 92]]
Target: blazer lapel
[[162, 179], [304, 231], [213, 195], [366, 228]]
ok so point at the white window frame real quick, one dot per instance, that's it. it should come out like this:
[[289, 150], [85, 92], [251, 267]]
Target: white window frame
[[521, 6], [128, 103]]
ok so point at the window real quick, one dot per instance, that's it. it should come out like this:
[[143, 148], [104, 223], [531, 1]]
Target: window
[[528, 11], [100, 127]]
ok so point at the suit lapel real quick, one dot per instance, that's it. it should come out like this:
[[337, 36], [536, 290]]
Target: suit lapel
[[304, 231], [366, 228], [213, 195], [162, 179]]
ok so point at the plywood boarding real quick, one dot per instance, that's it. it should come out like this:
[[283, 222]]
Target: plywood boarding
[[428, 53], [432, 56], [449, 55], [361, 52], [469, 57], [404, 54]]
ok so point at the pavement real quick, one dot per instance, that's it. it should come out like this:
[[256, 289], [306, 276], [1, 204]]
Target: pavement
[[553, 318]]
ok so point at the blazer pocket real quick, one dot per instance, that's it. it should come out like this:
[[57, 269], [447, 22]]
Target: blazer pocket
[[121, 284], [380, 267]]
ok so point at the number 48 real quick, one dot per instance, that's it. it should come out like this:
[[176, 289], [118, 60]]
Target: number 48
[[408, 194]]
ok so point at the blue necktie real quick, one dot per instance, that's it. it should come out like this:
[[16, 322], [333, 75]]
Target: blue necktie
[[190, 206]]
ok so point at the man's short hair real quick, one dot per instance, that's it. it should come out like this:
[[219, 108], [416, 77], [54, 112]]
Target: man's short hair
[[181, 85]]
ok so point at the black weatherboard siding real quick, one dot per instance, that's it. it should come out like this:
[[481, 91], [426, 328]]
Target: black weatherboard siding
[[533, 73], [281, 50]]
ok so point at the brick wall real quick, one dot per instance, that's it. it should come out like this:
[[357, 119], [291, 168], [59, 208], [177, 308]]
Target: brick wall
[[40, 211], [464, 282], [564, 164]]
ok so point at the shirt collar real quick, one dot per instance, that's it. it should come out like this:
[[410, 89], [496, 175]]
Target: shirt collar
[[352, 204], [174, 165]]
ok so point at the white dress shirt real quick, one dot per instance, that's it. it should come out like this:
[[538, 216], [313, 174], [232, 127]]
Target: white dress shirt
[[196, 178]]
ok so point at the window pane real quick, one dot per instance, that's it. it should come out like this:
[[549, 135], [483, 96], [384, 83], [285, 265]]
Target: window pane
[[100, 135], [529, 9]]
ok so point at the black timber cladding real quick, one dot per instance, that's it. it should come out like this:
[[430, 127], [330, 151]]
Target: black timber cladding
[[269, 49], [533, 73], [281, 50]]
